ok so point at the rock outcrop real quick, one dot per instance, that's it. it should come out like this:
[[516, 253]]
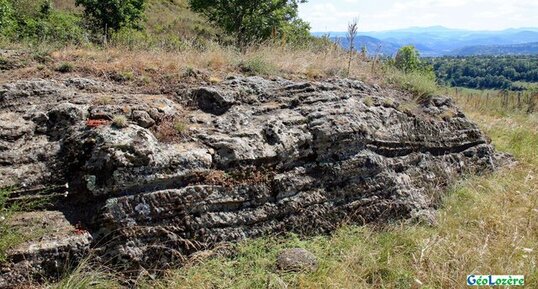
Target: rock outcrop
[[244, 158]]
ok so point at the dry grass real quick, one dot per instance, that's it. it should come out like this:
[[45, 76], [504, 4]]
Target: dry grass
[[156, 68]]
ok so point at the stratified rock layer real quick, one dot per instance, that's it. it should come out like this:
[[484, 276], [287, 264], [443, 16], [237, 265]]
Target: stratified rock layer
[[244, 158]]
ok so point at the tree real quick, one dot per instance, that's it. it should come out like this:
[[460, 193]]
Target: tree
[[254, 20], [6, 12], [113, 14], [407, 59]]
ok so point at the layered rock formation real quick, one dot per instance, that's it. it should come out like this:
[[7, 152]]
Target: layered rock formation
[[245, 158]]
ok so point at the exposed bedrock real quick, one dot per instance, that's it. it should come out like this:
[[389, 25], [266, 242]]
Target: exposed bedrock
[[244, 158]]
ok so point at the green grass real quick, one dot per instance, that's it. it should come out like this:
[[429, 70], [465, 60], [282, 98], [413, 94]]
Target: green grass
[[9, 236], [421, 85], [83, 277]]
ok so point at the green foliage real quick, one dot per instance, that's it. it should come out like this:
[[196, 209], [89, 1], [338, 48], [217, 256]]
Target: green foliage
[[38, 22], [487, 72], [407, 59], [408, 72], [113, 14], [253, 20], [181, 127], [6, 14]]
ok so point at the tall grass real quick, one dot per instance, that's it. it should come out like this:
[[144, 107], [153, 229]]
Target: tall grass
[[87, 275], [9, 236], [498, 102], [421, 84]]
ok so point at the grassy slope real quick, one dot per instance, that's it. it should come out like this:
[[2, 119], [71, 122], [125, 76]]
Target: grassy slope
[[163, 17]]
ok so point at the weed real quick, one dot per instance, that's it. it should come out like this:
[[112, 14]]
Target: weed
[[388, 102], [214, 80], [180, 127], [422, 85], [408, 107], [171, 130], [65, 67], [120, 121], [122, 76], [103, 100], [257, 66], [447, 114], [368, 101]]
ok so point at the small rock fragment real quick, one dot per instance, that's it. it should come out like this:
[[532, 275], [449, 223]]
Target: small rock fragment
[[297, 260]]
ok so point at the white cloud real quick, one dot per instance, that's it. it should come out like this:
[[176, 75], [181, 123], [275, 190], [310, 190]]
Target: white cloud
[[390, 14]]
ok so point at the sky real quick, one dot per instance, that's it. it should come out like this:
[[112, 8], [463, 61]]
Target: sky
[[379, 15]]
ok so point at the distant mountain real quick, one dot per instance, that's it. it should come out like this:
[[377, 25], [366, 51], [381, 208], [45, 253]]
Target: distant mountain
[[373, 45], [438, 40], [513, 49]]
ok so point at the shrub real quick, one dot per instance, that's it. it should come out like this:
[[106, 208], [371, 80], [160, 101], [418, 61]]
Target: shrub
[[407, 59], [120, 121], [180, 127], [34, 24], [257, 66], [6, 13], [112, 14], [65, 67]]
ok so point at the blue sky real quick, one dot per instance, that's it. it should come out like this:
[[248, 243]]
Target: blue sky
[[392, 14]]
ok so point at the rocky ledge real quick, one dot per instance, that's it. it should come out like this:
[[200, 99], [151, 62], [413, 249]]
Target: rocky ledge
[[144, 181]]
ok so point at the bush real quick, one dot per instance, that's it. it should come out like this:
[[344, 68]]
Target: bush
[[407, 59], [37, 22], [113, 15], [65, 67], [6, 13], [257, 66]]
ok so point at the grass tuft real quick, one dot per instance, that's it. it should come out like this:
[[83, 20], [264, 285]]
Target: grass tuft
[[65, 67], [120, 121]]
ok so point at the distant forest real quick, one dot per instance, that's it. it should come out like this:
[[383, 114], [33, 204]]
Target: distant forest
[[486, 72]]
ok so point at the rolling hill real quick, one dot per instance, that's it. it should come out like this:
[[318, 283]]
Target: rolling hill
[[438, 41]]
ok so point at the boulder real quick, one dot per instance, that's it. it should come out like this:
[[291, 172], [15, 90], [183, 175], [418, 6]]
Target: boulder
[[254, 157]]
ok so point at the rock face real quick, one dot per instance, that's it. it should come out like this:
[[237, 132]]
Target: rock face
[[244, 158]]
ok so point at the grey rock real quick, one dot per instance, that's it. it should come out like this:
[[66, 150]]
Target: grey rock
[[59, 247], [296, 260], [260, 157], [143, 118], [212, 100]]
